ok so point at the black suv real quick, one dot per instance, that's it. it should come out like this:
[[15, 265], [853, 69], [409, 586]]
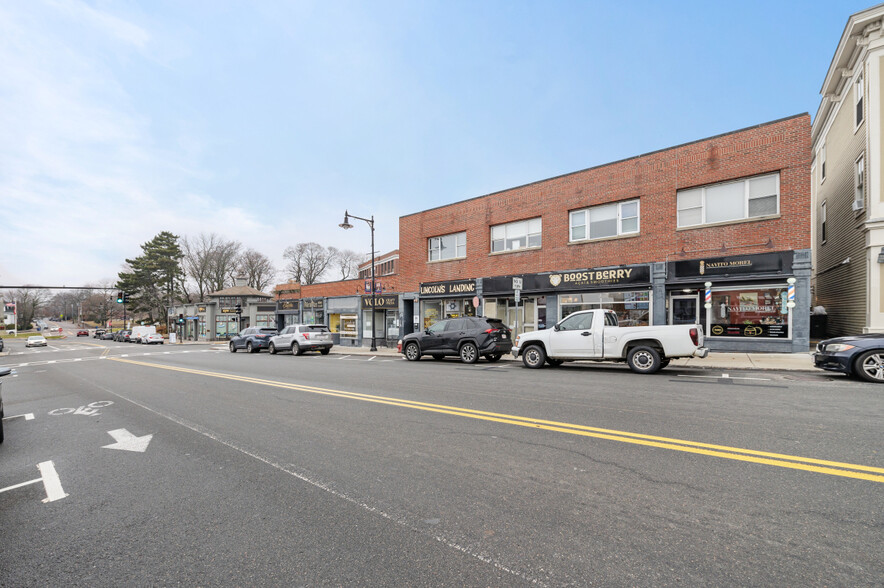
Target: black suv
[[469, 337], [252, 339]]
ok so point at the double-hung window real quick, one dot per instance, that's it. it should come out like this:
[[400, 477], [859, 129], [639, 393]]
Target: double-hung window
[[606, 220], [729, 201], [858, 97], [514, 236], [453, 246], [859, 200]]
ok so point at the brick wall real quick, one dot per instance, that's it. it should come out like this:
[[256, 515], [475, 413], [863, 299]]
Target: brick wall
[[654, 178]]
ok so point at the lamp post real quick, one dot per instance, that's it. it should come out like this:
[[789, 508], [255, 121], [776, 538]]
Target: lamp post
[[346, 225]]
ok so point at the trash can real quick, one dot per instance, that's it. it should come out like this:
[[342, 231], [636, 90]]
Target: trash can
[[818, 324]]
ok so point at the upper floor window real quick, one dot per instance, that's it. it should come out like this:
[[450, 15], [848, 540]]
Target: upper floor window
[[729, 201], [859, 199], [822, 222], [519, 235], [858, 95], [822, 158], [450, 246], [606, 220]]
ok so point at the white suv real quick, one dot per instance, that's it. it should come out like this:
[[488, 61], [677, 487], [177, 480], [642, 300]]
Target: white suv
[[301, 338]]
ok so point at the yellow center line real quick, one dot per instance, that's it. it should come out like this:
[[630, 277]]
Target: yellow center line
[[834, 468]]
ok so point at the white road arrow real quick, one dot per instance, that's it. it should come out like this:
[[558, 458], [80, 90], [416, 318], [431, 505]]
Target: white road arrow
[[127, 441]]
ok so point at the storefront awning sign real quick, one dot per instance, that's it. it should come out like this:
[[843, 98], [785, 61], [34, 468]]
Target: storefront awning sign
[[571, 280]]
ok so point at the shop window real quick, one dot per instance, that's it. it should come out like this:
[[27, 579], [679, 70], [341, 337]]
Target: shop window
[[452, 246], [751, 312], [514, 236], [729, 201], [431, 312], [632, 308], [348, 326], [608, 220]]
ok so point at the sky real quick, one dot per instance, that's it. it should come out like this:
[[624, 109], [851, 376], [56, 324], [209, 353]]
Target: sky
[[264, 121]]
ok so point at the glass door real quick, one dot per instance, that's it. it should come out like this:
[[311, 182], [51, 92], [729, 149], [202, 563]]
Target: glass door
[[684, 310]]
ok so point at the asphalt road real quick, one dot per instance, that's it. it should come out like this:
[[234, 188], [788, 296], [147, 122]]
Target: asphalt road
[[362, 470]]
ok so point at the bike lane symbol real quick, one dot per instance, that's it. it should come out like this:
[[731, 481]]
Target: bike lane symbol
[[90, 409]]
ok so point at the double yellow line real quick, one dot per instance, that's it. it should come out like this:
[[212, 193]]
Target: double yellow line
[[820, 466]]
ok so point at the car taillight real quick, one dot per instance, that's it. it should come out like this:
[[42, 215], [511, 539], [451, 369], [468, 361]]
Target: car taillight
[[306, 336], [492, 331], [695, 336]]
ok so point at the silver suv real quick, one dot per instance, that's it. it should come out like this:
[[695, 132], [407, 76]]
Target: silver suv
[[301, 338]]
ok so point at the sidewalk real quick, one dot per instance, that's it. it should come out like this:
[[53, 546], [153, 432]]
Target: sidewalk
[[717, 360]]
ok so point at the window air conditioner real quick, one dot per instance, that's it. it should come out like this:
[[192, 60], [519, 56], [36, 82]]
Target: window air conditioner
[[857, 205]]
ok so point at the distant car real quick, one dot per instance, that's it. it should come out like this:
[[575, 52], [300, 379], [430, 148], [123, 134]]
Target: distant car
[[122, 336], [151, 338], [467, 337], [859, 355], [98, 333], [82, 333], [36, 341], [252, 339], [107, 336], [301, 338]]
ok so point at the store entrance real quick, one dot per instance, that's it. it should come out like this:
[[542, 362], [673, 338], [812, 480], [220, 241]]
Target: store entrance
[[684, 309]]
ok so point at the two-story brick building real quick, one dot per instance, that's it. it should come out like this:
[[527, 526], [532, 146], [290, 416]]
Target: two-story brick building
[[716, 231]]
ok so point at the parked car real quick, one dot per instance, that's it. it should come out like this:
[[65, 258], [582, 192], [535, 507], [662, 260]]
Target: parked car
[[597, 335], [859, 355], [152, 338], [468, 337], [252, 339], [36, 341], [138, 333], [301, 338], [82, 333], [122, 336], [98, 333], [3, 372], [108, 336]]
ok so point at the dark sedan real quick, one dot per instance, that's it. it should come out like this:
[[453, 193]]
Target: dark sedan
[[859, 355]]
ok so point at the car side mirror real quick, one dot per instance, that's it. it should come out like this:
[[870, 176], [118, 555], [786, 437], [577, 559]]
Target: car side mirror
[[557, 328]]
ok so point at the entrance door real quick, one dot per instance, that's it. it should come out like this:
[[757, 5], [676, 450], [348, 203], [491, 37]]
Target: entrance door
[[684, 310]]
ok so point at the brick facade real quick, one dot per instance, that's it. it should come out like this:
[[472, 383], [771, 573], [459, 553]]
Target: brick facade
[[654, 178]]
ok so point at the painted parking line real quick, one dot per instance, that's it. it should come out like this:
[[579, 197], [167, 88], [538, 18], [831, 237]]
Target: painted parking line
[[809, 464]]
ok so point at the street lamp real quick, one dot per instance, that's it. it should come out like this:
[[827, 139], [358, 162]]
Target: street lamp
[[346, 225]]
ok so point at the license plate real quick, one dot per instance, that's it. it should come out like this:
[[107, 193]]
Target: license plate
[[504, 335]]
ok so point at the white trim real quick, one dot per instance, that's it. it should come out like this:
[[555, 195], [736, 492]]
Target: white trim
[[703, 206], [620, 233]]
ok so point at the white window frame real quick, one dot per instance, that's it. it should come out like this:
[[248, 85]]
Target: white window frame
[[823, 222], [506, 227], [746, 199], [460, 241], [587, 212], [859, 191], [858, 94], [822, 158]]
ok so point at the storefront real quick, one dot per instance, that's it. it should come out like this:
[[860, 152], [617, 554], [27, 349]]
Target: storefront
[[382, 313], [441, 300], [343, 318], [754, 302], [313, 311], [545, 298], [288, 312]]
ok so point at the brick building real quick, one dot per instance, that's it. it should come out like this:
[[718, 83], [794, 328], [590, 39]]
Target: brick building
[[647, 236]]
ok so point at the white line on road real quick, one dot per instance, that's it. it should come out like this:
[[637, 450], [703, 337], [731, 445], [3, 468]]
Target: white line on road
[[725, 377], [29, 416], [51, 482], [20, 485]]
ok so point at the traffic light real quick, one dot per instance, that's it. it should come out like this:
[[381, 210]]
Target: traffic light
[[119, 297], [180, 319], [239, 309], [125, 297]]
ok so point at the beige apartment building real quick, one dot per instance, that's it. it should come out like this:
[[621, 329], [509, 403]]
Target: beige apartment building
[[846, 185]]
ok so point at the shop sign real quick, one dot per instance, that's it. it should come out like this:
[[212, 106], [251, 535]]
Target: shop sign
[[389, 302], [228, 311], [288, 305], [201, 309], [312, 303], [750, 331], [465, 288], [571, 280], [764, 263]]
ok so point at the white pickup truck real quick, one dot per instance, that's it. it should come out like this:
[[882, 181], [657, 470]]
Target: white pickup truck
[[595, 335]]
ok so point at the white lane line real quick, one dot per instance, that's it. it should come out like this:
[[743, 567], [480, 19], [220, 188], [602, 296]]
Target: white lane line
[[371, 358], [20, 485], [27, 416], [51, 482], [725, 377]]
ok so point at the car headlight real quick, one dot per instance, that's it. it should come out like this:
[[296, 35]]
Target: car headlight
[[838, 347]]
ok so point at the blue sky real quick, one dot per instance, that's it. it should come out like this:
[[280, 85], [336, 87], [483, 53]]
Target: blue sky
[[263, 121]]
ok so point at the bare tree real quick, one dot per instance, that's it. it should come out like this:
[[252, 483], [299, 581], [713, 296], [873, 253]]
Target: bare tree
[[27, 302], [210, 261], [257, 269], [346, 261], [307, 262]]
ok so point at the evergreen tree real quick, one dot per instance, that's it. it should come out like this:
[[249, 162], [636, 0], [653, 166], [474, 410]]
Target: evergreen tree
[[156, 277]]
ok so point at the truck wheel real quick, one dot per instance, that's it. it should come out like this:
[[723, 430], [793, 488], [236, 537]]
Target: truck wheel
[[533, 357], [412, 352], [554, 362], [469, 353], [643, 360]]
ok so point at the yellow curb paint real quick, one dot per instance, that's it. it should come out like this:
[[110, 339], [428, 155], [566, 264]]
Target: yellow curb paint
[[833, 468]]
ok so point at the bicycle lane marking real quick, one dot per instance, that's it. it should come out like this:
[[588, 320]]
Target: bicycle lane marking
[[809, 464]]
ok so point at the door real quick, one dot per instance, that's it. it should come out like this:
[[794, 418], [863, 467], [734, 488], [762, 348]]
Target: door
[[684, 310], [573, 338], [432, 337]]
